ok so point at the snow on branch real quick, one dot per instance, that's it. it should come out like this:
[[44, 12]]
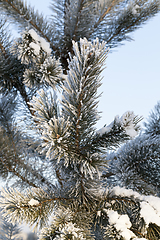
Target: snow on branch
[[31, 46], [123, 208], [64, 225], [33, 202], [128, 123], [121, 223], [31, 207], [43, 68], [39, 42], [150, 205]]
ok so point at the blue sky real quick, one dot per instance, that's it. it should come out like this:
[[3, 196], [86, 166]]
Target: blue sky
[[132, 77]]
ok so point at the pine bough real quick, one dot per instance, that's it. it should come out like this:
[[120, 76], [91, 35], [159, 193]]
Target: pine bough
[[80, 205]]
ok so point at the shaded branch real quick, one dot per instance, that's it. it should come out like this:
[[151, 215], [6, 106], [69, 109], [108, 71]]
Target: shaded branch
[[3, 50], [45, 201], [17, 174], [104, 14], [27, 17]]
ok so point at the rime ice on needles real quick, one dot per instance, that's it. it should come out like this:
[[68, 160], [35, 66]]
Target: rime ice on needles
[[80, 88], [51, 71], [54, 128], [62, 226], [70, 230], [56, 137], [69, 136], [45, 106]]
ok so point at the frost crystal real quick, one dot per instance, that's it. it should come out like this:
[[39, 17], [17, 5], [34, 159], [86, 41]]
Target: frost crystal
[[33, 202], [70, 229], [98, 213]]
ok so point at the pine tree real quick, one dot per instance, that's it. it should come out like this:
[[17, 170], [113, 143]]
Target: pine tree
[[65, 177], [9, 231]]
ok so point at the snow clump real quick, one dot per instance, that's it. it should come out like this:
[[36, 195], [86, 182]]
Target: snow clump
[[121, 223], [33, 202], [39, 42]]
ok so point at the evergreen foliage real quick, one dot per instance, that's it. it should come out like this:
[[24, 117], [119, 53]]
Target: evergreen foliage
[[65, 177], [152, 127], [9, 231]]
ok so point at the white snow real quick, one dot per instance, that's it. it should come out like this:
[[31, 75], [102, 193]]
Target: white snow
[[36, 47], [126, 121], [121, 223], [33, 202], [40, 41], [34, 35], [105, 129], [45, 45], [125, 192], [135, 8], [149, 214], [139, 239], [131, 131], [153, 201], [98, 213], [150, 205]]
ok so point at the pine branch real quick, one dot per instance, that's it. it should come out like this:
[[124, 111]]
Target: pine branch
[[10, 159], [152, 126], [65, 225], [113, 3], [121, 20], [36, 203], [10, 66], [120, 130], [16, 166], [3, 50], [12, 156], [128, 23], [5, 38], [137, 164], [81, 6], [9, 230], [25, 15]]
